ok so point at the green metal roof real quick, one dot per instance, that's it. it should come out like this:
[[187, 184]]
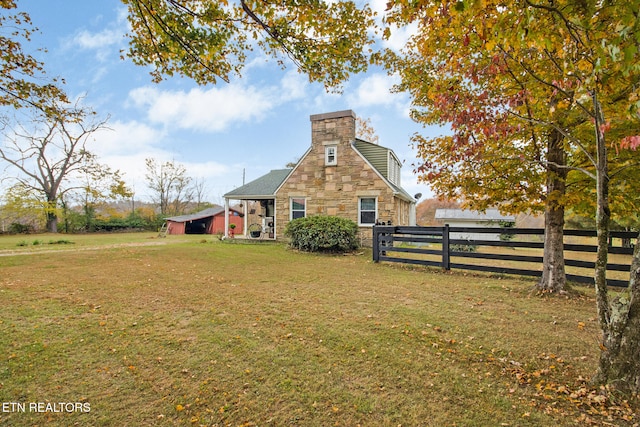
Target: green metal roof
[[375, 154], [378, 157], [262, 187], [402, 191]]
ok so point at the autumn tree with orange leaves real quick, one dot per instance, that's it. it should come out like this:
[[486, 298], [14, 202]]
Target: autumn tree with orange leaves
[[530, 90]]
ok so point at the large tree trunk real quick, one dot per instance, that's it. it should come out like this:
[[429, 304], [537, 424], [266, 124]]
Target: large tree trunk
[[52, 222], [553, 273], [52, 216], [619, 364]]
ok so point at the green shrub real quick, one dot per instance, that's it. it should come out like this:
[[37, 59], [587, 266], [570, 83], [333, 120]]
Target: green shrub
[[61, 242], [133, 222], [17, 228], [505, 237], [323, 234]]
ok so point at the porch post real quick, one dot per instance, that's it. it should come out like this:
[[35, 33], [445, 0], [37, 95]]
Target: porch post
[[245, 209], [274, 218], [226, 218]]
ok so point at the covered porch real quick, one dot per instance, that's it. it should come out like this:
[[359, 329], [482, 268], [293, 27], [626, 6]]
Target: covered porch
[[259, 218], [258, 199]]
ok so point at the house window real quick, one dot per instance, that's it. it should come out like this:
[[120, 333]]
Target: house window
[[298, 208], [330, 155], [367, 210], [394, 170]]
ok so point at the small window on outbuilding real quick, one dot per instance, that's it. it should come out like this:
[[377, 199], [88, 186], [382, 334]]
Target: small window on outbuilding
[[330, 155]]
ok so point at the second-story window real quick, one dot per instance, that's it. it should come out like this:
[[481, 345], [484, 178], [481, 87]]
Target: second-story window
[[330, 155], [394, 171]]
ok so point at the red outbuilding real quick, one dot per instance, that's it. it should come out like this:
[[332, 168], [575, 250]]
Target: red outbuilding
[[208, 221]]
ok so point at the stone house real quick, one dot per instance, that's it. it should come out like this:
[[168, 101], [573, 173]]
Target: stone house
[[339, 175]]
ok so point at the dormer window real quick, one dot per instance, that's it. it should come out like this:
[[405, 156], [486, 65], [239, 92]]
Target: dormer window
[[394, 170], [330, 155]]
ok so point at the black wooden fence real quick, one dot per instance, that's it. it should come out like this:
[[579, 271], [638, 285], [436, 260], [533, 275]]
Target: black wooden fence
[[451, 247]]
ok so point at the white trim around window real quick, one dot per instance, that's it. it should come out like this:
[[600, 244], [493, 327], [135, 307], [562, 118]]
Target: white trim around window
[[367, 211], [297, 207], [331, 155]]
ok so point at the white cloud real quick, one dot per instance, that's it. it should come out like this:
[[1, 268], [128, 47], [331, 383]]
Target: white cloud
[[100, 73], [293, 86], [126, 138], [125, 146], [203, 110], [399, 36], [209, 169], [378, 6], [92, 41], [375, 90], [210, 110], [101, 42]]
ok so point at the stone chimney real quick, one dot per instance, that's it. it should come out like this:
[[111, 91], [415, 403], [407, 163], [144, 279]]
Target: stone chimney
[[337, 128]]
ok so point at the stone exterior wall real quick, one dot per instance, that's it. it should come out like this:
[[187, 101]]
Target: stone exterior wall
[[334, 190]]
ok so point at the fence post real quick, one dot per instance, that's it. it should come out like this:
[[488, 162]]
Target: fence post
[[446, 263], [376, 244]]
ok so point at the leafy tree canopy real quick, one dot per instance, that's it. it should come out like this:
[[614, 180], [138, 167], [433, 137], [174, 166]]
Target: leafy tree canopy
[[504, 77], [507, 76], [208, 40], [22, 77]]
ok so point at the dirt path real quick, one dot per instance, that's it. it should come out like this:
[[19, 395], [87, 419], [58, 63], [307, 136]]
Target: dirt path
[[14, 252]]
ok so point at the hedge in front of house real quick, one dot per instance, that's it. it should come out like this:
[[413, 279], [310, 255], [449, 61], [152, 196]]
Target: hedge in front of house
[[323, 234]]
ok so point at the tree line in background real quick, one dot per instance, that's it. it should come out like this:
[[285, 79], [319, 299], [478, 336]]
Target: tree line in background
[[54, 180], [541, 101], [101, 201]]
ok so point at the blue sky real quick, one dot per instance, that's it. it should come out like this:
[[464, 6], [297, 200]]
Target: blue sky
[[253, 124]]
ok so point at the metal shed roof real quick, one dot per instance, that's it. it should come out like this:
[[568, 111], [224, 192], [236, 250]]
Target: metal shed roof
[[198, 215], [467, 215]]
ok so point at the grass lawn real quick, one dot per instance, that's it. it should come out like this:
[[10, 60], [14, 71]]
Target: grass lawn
[[37, 243], [192, 331]]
